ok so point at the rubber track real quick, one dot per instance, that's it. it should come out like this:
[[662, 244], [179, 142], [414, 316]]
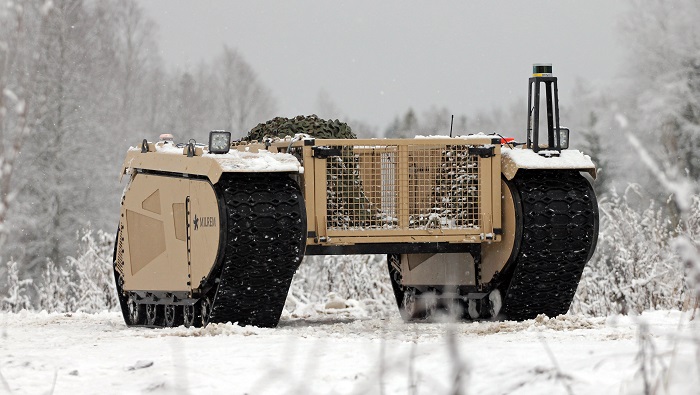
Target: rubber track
[[118, 279], [265, 241], [560, 225]]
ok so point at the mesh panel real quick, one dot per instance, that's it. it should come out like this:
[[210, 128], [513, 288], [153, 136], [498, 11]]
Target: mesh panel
[[298, 153], [407, 187]]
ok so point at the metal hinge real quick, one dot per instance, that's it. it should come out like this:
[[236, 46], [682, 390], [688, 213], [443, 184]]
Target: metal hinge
[[325, 152], [482, 152]]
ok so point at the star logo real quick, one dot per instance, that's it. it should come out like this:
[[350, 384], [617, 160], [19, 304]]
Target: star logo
[[196, 222]]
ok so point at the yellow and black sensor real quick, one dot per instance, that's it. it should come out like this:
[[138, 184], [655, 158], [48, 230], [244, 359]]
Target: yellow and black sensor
[[542, 70]]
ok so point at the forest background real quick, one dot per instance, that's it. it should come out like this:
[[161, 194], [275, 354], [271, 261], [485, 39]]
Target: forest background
[[81, 81]]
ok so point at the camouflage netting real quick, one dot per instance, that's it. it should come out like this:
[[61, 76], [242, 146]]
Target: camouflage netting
[[309, 124], [455, 197], [348, 205], [344, 186]]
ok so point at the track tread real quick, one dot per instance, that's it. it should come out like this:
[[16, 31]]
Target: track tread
[[265, 241], [560, 219]]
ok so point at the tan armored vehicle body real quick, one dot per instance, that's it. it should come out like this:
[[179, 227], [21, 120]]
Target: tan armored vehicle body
[[472, 224]]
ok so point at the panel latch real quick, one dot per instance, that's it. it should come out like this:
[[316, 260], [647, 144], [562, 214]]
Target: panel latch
[[482, 152], [325, 152]]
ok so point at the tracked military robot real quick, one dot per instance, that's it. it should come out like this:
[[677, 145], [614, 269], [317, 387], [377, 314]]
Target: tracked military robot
[[478, 226]]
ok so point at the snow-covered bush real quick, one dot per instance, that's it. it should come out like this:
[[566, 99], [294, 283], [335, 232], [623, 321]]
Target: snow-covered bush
[[364, 278], [93, 269], [635, 266], [84, 283], [17, 297], [688, 245]]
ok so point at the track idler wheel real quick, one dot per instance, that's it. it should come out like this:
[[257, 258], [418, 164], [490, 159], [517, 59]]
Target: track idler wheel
[[417, 305], [153, 315], [204, 311], [172, 315], [495, 303], [189, 315], [137, 312], [413, 305], [473, 307]]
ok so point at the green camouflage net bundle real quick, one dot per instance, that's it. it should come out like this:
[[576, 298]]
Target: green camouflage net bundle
[[309, 124]]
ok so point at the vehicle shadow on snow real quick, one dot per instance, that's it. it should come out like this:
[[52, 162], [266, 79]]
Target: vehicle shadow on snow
[[317, 321]]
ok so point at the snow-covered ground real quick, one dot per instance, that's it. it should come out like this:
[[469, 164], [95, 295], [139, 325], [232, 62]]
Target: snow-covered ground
[[339, 351]]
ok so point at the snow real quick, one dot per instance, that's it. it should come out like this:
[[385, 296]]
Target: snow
[[475, 136], [10, 95], [568, 159], [517, 158], [46, 7], [6, 168], [336, 353], [20, 107], [241, 161], [622, 121], [262, 161], [432, 136]]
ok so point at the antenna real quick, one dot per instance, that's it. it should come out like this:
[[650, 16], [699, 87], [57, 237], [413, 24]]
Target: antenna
[[451, 123]]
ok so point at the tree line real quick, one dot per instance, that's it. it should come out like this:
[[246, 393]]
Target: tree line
[[81, 81]]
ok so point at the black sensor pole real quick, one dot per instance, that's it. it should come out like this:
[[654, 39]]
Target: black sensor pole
[[542, 73]]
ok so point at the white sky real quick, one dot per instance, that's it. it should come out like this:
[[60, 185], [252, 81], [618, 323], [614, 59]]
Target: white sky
[[376, 59]]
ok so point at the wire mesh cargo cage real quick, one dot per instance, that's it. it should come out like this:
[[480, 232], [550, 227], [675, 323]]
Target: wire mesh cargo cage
[[422, 189]]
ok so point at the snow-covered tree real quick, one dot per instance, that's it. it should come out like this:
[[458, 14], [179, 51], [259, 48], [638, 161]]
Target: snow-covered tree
[[508, 121], [406, 126], [597, 127], [55, 167], [664, 75], [243, 100], [21, 104], [326, 108]]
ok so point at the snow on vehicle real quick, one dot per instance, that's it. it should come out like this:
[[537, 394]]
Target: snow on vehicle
[[475, 225]]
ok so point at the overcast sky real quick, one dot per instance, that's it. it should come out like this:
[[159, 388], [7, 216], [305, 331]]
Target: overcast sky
[[375, 59]]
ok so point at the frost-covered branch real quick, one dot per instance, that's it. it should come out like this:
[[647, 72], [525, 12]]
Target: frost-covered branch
[[685, 195], [635, 266]]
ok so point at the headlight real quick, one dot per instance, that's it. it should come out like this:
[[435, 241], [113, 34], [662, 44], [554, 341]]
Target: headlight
[[219, 142], [564, 138]]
